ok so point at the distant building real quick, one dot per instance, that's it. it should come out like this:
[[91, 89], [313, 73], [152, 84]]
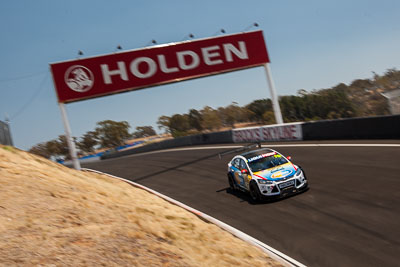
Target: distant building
[[5, 134], [393, 98]]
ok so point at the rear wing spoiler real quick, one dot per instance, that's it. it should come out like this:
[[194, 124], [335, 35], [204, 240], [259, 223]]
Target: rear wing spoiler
[[240, 149]]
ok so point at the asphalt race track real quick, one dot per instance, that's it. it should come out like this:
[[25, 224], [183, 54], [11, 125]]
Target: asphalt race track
[[349, 217]]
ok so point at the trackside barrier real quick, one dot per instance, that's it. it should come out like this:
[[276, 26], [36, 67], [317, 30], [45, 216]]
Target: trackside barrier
[[280, 132], [199, 139], [380, 127], [273, 253]]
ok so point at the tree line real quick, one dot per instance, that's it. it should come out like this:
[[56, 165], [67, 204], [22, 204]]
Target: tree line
[[107, 134], [361, 98]]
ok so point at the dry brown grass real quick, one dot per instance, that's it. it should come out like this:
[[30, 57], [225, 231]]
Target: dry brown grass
[[53, 215]]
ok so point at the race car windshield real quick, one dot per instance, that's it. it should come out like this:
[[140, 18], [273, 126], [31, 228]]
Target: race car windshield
[[266, 162]]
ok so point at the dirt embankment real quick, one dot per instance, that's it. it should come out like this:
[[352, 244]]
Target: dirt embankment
[[53, 215]]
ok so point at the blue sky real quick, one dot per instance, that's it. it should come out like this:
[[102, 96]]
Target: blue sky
[[312, 45]]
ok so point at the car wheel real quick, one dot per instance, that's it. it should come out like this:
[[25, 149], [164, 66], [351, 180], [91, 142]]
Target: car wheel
[[254, 193]]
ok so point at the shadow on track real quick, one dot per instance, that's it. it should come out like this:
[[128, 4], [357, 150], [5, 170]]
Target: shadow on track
[[219, 154], [174, 167], [244, 197]]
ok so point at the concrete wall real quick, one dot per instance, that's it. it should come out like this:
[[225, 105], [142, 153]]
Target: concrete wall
[[381, 127], [199, 139]]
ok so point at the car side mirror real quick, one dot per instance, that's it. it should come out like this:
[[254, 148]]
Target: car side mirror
[[244, 171], [289, 157]]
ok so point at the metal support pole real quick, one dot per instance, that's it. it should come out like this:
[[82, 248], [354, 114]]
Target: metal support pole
[[70, 141], [275, 102]]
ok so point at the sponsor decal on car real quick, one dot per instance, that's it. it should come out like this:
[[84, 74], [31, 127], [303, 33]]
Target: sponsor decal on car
[[277, 173], [281, 174], [277, 169], [286, 184], [261, 156]]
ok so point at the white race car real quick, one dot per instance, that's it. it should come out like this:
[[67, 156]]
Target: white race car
[[265, 173]]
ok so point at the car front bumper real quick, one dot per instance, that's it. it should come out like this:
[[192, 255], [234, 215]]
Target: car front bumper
[[281, 188]]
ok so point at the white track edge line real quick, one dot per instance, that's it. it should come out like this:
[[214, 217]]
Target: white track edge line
[[273, 253], [239, 146]]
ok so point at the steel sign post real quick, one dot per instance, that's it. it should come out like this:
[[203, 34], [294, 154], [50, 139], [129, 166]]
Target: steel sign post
[[275, 101], [82, 79], [68, 135]]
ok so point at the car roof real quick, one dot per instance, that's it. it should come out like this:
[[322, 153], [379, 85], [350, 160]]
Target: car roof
[[256, 152]]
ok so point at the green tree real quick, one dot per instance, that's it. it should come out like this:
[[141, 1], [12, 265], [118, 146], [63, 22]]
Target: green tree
[[163, 123], [40, 150], [112, 133], [211, 119], [258, 108], [232, 114], [62, 146], [88, 142], [57, 148], [53, 147], [269, 117], [144, 131], [179, 125], [293, 107], [390, 79], [195, 119]]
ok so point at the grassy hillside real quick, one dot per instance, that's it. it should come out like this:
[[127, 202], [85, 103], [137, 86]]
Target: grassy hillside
[[50, 214]]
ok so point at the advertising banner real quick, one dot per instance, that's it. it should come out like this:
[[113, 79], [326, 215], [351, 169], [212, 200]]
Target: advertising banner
[[284, 132], [140, 68]]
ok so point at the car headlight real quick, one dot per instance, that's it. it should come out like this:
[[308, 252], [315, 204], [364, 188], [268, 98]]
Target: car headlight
[[260, 181], [298, 172]]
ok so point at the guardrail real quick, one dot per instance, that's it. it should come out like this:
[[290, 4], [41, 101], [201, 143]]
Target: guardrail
[[380, 127]]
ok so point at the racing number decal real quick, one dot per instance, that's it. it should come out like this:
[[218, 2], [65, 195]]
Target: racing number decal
[[247, 179], [237, 173], [242, 179], [238, 177], [245, 176]]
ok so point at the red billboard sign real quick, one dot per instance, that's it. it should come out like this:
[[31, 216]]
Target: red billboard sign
[[136, 69]]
